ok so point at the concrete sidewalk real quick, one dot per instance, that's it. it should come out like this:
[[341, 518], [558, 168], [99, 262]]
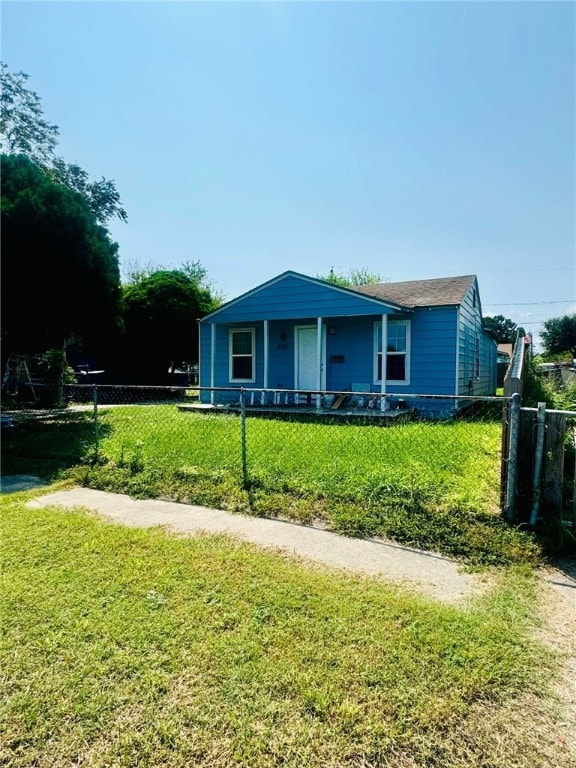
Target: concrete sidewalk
[[429, 573]]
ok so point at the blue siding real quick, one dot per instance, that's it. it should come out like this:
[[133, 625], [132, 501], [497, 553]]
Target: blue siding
[[349, 353], [443, 340], [295, 298], [473, 342], [433, 352]]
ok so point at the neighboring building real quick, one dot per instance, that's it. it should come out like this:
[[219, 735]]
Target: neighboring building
[[505, 353], [301, 333], [504, 357]]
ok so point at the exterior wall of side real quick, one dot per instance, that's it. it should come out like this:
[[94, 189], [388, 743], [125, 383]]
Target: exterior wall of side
[[477, 349]]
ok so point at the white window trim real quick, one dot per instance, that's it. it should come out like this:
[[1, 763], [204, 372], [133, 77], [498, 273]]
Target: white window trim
[[393, 382], [231, 333], [477, 358]]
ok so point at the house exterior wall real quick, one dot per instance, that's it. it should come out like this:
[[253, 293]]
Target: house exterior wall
[[434, 332], [349, 352], [448, 347], [477, 351]]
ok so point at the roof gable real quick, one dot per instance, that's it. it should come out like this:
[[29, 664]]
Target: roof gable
[[308, 297]]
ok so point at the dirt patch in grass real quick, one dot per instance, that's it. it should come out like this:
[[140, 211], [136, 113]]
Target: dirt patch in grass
[[558, 631]]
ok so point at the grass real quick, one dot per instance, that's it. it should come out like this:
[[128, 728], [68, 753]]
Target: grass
[[433, 486], [126, 647]]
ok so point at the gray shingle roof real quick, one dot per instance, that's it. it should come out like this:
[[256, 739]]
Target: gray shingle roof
[[439, 291]]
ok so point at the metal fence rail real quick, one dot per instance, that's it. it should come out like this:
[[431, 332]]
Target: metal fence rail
[[478, 452], [468, 453], [314, 445]]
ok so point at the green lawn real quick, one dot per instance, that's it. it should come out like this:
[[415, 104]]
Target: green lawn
[[125, 647], [431, 485]]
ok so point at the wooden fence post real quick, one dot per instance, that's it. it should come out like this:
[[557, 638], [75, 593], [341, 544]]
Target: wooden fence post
[[554, 461]]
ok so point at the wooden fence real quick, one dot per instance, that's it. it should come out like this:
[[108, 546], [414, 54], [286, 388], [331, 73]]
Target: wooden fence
[[539, 464]]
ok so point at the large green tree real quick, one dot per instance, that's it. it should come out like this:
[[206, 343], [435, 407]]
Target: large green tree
[[504, 329], [354, 276], [559, 335], [60, 275], [24, 130], [161, 310]]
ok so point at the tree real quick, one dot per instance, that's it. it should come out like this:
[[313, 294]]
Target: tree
[[134, 272], [559, 335], [354, 276], [60, 274], [102, 196], [24, 130], [160, 317], [504, 329]]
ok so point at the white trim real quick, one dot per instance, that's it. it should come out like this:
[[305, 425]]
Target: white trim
[[408, 361], [319, 365], [457, 388], [266, 354], [316, 281], [477, 356], [384, 323], [212, 362], [322, 376], [199, 328], [231, 332]]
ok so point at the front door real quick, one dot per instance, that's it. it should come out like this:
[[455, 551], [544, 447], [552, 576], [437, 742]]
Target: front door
[[307, 358]]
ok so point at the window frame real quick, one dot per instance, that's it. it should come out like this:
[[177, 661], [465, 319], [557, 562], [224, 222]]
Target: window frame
[[232, 356], [407, 354], [477, 363]]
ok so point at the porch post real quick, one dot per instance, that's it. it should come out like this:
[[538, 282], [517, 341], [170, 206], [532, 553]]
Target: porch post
[[319, 352], [265, 354], [384, 360], [212, 351]]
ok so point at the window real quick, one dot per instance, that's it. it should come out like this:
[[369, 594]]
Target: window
[[477, 356], [398, 352], [242, 354]]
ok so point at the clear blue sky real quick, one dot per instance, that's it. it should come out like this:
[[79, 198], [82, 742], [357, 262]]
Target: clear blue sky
[[416, 139]]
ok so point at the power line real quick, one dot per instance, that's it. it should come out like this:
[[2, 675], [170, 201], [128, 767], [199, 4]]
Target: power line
[[530, 303]]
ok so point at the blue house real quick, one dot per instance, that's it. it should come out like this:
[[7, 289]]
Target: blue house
[[296, 332]]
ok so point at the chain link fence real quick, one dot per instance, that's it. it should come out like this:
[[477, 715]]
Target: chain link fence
[[433, 471], [343, 445]]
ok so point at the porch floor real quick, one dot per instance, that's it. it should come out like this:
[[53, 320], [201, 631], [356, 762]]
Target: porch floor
[[300, 410]]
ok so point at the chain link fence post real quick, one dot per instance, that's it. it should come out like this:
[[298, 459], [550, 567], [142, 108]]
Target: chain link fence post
[[512, 473], [243, 437], [96, 425]]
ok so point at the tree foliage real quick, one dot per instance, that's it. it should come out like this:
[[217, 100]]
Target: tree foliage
[[354, 276], [559, 335], [134, 272], [25, 131], [60, 274], [504, 329], [102, 196], [160, 315]]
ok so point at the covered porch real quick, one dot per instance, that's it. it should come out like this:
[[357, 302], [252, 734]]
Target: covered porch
[[291, 361]]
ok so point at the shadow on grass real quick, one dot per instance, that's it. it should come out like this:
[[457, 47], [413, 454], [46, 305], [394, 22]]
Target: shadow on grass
[[48, 443]]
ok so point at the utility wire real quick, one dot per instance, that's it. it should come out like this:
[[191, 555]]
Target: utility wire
[[529, 303]]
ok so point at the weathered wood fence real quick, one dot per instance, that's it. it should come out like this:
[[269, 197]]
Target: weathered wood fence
[[538, 455], [538, 463]]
